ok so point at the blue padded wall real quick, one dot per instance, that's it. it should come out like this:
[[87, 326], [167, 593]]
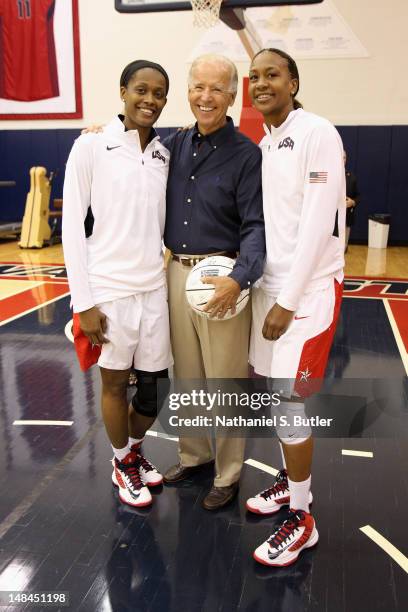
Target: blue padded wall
[[376, 154], [22, 149]]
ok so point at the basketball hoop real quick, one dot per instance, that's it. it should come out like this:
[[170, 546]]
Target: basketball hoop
[[206, 12]]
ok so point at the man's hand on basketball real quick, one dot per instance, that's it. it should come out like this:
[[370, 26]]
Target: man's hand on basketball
[[93, 324], [93, 129], [225, 297], [276, 322]]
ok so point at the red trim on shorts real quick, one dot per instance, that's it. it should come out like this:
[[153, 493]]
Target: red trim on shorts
[[315, 353]]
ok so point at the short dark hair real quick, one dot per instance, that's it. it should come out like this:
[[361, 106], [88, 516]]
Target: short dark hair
[[133, 67], [292, 67]]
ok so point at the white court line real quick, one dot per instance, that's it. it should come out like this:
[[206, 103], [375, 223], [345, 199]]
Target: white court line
[[387, 547], [397, 335], [354, 453], [262, 466], [26, 312], [28, 422], [368, 297], [159, 434]]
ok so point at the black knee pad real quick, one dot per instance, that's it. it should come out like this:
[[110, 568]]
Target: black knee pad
[[146, 399]]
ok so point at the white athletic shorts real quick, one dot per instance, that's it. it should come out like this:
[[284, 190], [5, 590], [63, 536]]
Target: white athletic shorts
[[138, 332], [301, 353]]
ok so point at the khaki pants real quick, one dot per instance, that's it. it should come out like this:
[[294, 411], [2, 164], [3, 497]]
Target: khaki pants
[[207, 349]]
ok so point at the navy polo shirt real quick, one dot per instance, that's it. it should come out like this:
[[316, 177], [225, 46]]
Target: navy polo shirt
[[214, 198]]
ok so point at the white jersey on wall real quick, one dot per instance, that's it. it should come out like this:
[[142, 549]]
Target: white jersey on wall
[[304, 198], [126, 189]]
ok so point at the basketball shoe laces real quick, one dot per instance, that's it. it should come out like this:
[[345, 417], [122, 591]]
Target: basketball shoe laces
[[131, 471], [286, 530], [281, 485], [144, 463]]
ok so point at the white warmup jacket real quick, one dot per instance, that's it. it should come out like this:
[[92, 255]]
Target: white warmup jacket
[[126, 189], [304, 198]]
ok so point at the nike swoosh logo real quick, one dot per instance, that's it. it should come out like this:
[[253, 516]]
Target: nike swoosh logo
[[110, 148], [298, 318]]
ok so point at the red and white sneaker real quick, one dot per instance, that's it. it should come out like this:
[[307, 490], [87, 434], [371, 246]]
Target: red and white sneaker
[[149, 474], [297, 532], [126, 476], [273, 499]]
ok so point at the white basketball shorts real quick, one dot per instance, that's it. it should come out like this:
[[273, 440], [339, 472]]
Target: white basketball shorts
[[301, 353], [138, 332]]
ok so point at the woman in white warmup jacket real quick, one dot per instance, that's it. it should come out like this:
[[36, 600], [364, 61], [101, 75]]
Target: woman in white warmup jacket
[[297, 302], [116, 272]]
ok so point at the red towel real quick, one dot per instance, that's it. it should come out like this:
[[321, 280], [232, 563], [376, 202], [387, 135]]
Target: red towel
[[87, 354]]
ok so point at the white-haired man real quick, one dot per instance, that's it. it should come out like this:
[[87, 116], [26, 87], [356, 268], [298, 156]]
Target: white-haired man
[[214, 205]]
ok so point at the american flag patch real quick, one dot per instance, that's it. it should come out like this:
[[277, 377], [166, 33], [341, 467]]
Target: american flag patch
[[318, 177]]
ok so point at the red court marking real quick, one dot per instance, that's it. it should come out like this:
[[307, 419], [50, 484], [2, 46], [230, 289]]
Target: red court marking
[[32, 298], [35, 277], [400, 312], [32, 264], [370, 291], [382, 279]]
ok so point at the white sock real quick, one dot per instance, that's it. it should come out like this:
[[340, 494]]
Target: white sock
[[299, 494], [133, 441], [283, 454], [120, 453]]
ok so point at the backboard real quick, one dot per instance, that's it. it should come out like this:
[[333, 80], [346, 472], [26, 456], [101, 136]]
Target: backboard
[[155, 6]]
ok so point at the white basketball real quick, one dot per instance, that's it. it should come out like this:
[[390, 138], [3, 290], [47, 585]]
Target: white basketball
[[198, 293]]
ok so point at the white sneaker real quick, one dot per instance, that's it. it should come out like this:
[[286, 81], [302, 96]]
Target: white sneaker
[[297, 532], [149, 474], [273, 499], [126, 476]]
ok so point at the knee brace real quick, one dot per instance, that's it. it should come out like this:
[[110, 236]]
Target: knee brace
[[145, 401], [292, 425]]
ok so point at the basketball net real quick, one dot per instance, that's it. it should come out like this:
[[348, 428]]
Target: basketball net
[[206, 12]]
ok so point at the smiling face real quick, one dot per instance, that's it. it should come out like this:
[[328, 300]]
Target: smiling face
[[144, 98], [210, 95], [272, 87]]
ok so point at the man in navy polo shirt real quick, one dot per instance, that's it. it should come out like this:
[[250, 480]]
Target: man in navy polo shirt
[[214, 206]]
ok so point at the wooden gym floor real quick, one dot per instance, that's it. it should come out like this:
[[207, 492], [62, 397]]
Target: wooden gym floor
[[391, 262], [62, 527]]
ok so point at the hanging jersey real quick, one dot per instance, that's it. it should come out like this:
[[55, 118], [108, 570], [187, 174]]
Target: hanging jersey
[[28, 64], [304, 207]]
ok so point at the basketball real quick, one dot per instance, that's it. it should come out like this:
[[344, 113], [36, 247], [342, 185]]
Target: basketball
[[198, 293]]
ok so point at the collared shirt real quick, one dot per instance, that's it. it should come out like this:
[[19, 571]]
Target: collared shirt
[[126, 188], [214, 198]]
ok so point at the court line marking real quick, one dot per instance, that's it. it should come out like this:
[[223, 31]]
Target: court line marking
[[397, 334], [25, 505], [261, 466], [26, 312], [387, 547], [355, 453], [42, 422], [366, 297], [159, 434]]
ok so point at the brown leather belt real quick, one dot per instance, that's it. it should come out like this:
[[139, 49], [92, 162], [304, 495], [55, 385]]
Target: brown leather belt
[[192, 260]]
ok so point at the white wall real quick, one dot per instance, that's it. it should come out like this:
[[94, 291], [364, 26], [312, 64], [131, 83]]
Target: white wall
[[366, 91]]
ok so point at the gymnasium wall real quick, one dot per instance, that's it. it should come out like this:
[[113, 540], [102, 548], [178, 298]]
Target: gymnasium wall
[[367, 98]]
